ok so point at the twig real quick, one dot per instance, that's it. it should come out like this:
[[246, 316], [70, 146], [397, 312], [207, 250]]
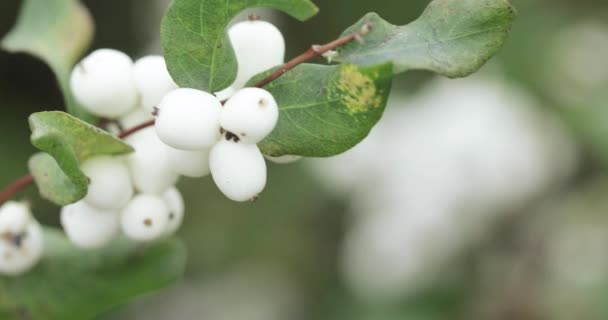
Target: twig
[[16, 187], [138, 127], [313, 52]]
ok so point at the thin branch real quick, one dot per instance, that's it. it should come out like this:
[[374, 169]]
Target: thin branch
[[15, 187], [313, 52], [138, 127]]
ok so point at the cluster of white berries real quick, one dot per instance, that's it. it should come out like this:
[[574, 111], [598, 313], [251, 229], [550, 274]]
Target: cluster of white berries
[[21, 239], [194, 136]]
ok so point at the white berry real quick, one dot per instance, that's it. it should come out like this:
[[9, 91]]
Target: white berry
[[152, 80], [188, 119], [251, 114], [88, 227], [21, 252], [193, 164], [175, 202], [110, 184], [258, 46], [150, 164], [286, 159], [136, 117], [225, 94], [14, 217], [103, 83], [145, 218], [239, 170]]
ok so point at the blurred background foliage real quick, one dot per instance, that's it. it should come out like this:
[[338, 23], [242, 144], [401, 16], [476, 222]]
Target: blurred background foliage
[[478, 199]]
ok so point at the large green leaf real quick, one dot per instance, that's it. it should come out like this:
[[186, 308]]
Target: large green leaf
[[57, 32], [69, 141], [326, 110], [195, 44], [70, 283], [452, 37]]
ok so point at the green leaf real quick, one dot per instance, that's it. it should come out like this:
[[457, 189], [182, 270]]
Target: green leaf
[[452, 37], [195, 44], [70, 283], [52, 182], [57, 32], [69, 141], [326, 110]]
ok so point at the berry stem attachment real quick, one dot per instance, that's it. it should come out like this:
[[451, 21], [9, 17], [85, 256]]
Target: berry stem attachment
[[15, 187], [314, 52]]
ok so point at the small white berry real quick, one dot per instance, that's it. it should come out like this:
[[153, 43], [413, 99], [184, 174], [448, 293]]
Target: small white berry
[[88, 227], [145, 218], [239, 170], [152, 80], [110, 184], [14, 217], [251, 114], [136, 117], [175, 202], [193, 164], [103, 83], [225, 94], [188, 119], [150, 165], [286, 159], [258, 46], [21, 252]]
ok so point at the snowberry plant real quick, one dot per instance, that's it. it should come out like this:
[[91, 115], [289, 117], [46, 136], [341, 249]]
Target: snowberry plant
[[222, 100]]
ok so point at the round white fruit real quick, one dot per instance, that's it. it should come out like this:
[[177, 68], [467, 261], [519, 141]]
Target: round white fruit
[[103, 83], [145, 218], [175, 202], [258, 46], [251, 114], [239, 170], [14, 217], [150, 165], [136, 117], [193, 164], [188, 119], [88, 227], [286, 159], [225, 94], [152, 81], [21, 252], [110, 184]]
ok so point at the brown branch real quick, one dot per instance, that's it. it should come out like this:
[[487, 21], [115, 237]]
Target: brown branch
[[15, 187], [313, 52], [138, 127]]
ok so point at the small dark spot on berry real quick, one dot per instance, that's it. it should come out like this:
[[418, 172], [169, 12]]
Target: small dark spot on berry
[[171, 216], [243, 134], [19, 238], [155, 111], [231, 136], [254, 17], [148, 222], [262, 103]]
